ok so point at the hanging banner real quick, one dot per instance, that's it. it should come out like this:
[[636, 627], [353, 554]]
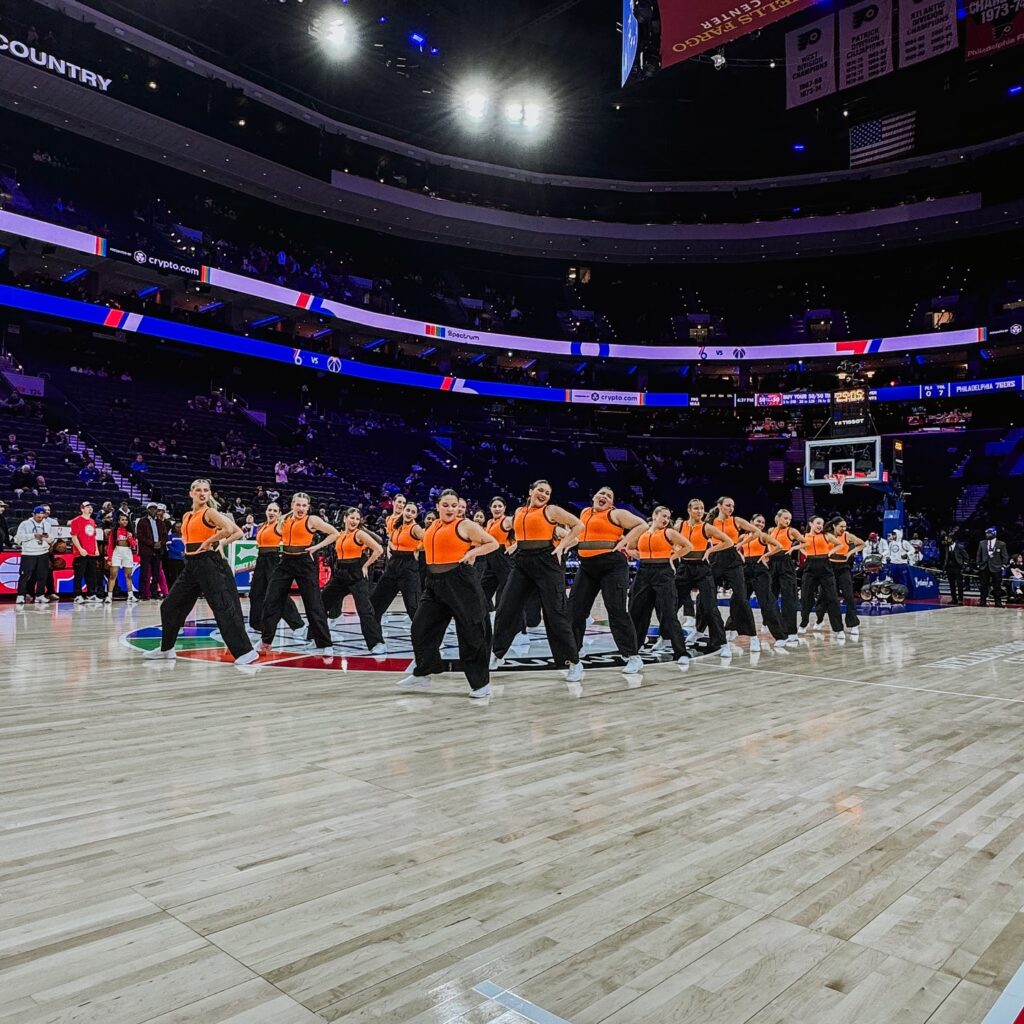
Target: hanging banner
[[993, 25], [689, 27], [865, 42], [630, 38], [927, 28], [810, 62]]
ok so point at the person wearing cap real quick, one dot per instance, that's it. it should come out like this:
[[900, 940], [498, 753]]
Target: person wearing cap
[[992, 558], [151, 534], [86, 562], [34, 542]]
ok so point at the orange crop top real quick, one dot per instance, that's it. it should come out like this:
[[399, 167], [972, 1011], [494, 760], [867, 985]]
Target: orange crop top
[[754, 548], [654, 545], [391, 522], [533, 529], [694, 533], [402, 540], [599, 534], [194, 530], [296, 535], [781, 534], [268, 538], [843, 554], [499, 533], [728, 527], [443, 545], [347, 548], [817, 545]]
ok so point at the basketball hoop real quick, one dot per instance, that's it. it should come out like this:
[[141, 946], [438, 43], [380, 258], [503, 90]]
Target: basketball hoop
[[836, 482]]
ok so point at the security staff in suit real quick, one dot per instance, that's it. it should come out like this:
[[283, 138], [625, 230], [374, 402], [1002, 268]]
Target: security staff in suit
[[954, 561], [992, 559]]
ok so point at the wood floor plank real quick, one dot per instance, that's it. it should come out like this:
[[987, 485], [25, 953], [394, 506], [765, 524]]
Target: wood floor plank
[[832, 835]]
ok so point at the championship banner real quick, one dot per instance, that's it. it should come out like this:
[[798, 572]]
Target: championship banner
[[865, 42], [927, 28], [810, 62], [993, 25], [689, 27]]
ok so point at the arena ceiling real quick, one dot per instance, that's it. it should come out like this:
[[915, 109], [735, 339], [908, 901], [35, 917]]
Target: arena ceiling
[[687, 121]]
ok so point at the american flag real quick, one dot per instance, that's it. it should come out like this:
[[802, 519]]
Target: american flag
[[879, 140]]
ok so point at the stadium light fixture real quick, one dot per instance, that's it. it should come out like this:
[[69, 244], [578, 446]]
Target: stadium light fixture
[[472, 102], [336, 34], [1015, 90]]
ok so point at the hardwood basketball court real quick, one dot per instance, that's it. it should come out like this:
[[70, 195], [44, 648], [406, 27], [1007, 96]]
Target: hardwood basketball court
[[833, 834]]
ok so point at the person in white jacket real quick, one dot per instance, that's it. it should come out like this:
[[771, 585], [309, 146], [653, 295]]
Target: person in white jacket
[[33, 539], [900, 551]]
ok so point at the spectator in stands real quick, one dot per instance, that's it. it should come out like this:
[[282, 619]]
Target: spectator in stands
[[139, 467], [151, 535], [86, 562], [280, 472], [5, 529], [34, 542], [24, 480], [88, 473], [1016, 576], [249, 527], [259, 497]]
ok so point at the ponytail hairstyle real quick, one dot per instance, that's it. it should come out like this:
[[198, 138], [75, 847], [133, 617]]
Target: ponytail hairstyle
[[712, 513], [497, 497], [537, 483], [211, 501], [660, 508], [834, 521], [780, 512], [692, 502], [448, 492], [349, 512]]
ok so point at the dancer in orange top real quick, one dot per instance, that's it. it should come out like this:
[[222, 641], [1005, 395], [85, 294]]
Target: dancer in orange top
[[398, 504], [299, 566], [401, 571], [604, 570], [268, 557], [496, 566], [783, 570], [658, 546], [727, 567], [844, 546], [355, 549], [757, 548], [205, 574], [817, 549], [693, 572], [451, 545], [537, 569]]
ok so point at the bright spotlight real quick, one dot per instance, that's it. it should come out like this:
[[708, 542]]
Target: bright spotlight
[[335, 33], [514, 111], [472, 102], [533, 113]]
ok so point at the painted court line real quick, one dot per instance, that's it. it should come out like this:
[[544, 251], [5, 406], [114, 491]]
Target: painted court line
[[887, 686], [1009, 1007], [517, 1004]]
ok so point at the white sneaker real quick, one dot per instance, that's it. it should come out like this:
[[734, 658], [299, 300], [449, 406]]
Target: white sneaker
[[755, 644], [725, 651], [93, 600], [41, 600], [659, 646], [855, 631], [633, 666], [781, 643], [79, 599], [248, 658], [55, 598], [414, 683], [683, 661], [379, 649], [801, 628], [301, 634], [689, 620], [157, 655], [839, 638], [818, 627], [793, 642], [109, 599], [132, 599], [731, 634], [20, 599], [482, 694], [575, 673], [495, 662]]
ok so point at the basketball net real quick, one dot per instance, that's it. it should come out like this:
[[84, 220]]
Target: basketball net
[[836, 482]]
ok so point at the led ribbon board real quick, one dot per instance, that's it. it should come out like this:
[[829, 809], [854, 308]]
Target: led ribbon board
[[80, 241]]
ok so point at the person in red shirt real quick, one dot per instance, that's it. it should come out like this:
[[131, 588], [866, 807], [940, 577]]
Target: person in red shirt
[[86, 563]]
